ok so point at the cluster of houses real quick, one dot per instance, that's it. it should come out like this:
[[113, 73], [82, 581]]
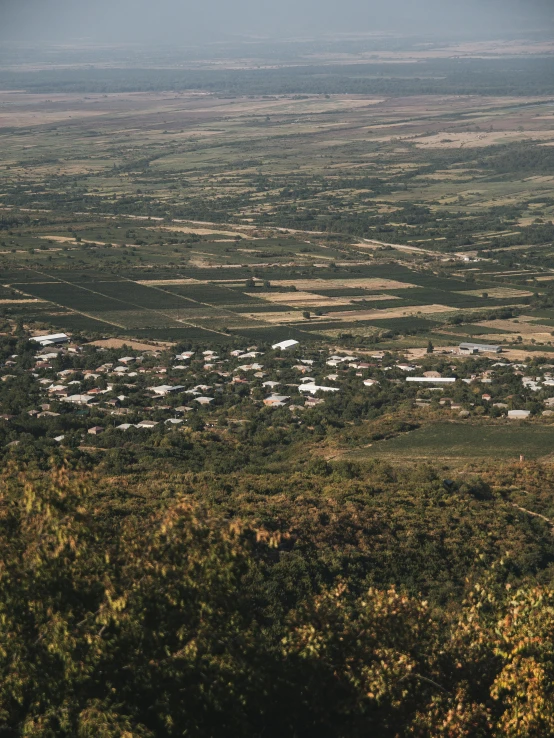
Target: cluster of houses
[[143, 389], [151, 383]]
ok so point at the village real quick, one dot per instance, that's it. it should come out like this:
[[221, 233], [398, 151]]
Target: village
[[80, 395]]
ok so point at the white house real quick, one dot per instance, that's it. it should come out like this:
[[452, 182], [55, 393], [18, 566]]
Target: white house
[[79, 399], [432, 380], [166, 389], [204, 400], [314, 388], [519, 414], [276, 400]]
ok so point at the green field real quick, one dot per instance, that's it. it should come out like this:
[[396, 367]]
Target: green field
[[458, 440]]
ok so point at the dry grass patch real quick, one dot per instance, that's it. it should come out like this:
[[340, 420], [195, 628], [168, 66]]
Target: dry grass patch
[[167, 282], [301, 299], [203, 231], [291, 316], [20, 302], [453, 140], [522, 328], [403, 312]]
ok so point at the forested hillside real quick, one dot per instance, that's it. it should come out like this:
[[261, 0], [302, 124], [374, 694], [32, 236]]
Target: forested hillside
[[344, 602]]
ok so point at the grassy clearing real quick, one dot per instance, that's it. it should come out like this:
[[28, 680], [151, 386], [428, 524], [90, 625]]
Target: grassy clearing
[[466, 441]]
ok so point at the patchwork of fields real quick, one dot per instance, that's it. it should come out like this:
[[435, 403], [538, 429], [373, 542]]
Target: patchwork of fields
[[153, 290], [374, 296], [178, 215]]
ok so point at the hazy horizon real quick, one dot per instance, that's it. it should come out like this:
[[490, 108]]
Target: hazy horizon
[[113, 21]]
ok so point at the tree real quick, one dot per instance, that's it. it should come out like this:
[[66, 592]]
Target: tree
[[430, 348]]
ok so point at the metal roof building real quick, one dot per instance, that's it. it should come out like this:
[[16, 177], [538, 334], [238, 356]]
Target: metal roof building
[[51, 340], [285, 344], [432, 380], [478, 348]]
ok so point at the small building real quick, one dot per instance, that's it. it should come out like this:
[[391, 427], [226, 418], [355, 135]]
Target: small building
[[165, 389], [204, 400], [431, 380], [314, 388], [313, 401], [518, 414], [79, 399], [56, 388], [51, 340], [284, 345], [479, 348], [276, 400], [95, 430], [146, 424]]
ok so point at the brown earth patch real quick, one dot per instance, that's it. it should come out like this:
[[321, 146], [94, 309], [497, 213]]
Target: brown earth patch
[[523, 328], [301, 299], [393, 313]]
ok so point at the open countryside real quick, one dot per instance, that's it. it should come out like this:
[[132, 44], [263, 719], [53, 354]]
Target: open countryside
[[277, 370]]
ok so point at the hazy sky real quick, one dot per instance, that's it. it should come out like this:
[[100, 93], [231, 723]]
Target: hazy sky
[[172, 20]]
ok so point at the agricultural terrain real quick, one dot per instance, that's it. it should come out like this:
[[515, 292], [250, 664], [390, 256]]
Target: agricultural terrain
[[318, 201]]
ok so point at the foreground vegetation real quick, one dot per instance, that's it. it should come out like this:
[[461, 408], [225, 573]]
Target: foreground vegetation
[[195, 621]]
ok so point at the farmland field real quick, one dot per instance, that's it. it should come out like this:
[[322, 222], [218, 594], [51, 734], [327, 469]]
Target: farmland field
[[352, 202], [465, 441]]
